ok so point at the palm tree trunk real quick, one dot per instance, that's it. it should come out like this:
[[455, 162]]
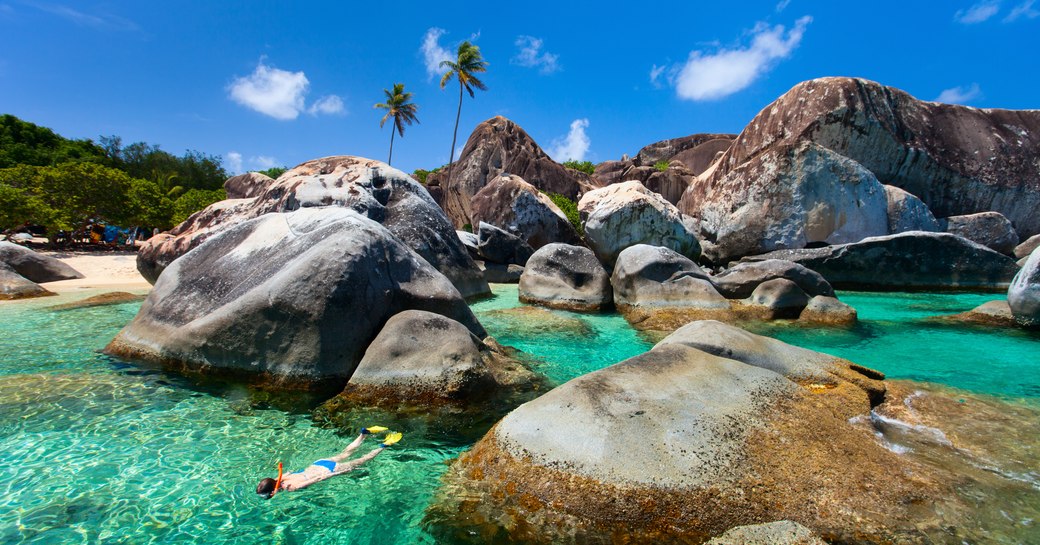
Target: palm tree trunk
[[454, 135], [388, 159]]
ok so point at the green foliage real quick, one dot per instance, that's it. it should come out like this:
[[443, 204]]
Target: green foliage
[[19, 208], [273, 172], [23, 143], [193, 170], [195, 200], [662, 165], [149, 205], [584, 166], [468, 227], [570, 209], [422, 174]]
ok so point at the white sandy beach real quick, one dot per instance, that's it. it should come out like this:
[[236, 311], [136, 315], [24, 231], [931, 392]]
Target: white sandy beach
[[108, 270]]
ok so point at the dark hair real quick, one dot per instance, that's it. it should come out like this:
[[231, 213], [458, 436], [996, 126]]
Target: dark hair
[[266, 487]]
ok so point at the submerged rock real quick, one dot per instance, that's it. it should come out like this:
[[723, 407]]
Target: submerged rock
[[681, 444], [370, 188], [623, 215], [540, 322], [293, 298], [993, 313], [517, 206], [782, 532], [424, 359], [566, 277], [989, 229], [110, 298], [915, 260], [1024, 293], [33, 266]]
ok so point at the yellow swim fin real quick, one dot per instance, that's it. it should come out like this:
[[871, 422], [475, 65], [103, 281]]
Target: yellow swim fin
[[373, 429], [392, 438]]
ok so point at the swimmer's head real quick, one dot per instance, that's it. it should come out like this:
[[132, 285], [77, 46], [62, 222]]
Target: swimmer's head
[[266, 487]]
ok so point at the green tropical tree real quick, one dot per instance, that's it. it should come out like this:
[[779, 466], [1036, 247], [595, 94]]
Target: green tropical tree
[[398, 105], [467, 63]]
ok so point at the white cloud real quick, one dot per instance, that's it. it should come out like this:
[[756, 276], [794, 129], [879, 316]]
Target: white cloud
[[271, 91], [960, 95], [433, 53], [328, 105], [782, 5], [655, 75], [717, 75], [234, 162], [1025, 9], [574, 146], [98, 21], [263, 162], [530, 55], [977, 13]]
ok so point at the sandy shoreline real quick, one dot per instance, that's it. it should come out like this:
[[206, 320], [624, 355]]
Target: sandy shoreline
[[109, 270]]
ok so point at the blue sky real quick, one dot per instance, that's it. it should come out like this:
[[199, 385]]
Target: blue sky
[[273, 83]]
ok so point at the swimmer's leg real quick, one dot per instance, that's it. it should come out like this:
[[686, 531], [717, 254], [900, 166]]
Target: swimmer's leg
[[349, 450]]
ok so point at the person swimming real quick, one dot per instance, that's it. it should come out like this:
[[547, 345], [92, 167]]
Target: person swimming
[[326, 467]]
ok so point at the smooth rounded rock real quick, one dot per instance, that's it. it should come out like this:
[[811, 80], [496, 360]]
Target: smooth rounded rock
[[990, 229], [908, 213], [658, 288], [1024, 293], [778, 298], [499, 246], [566, 277], [247, 186], [518, 207], [740, 280], [1024, 249], [16, 286], [289, 298], [828, 310], [497, 273], [33, 266], [623, 215]]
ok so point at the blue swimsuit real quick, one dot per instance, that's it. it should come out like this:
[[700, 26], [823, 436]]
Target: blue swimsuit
[[327, 464]]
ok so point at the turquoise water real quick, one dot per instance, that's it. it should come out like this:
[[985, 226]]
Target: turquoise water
[[97, 450]]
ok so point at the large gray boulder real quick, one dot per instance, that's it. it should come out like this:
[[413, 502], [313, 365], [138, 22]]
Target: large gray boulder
[[778, 298], [828, 311], [421, 358], [33, 266], [370, 188], [990, 229], [247, 186], [908, 213], [712, 429], [912, 260], [790, 197], [499, 246], [518, 207], [658, 288], [740, 280], [16, 286], [956, 159], [287, 298], [566, 277], [623, 215], [498, 146], [1024, 293]]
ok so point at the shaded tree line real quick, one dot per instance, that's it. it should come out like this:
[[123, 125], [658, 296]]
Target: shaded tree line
[[63, 184]]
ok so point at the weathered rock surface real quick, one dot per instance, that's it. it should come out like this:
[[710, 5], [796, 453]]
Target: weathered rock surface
[[914, 260], [658, 288], [247, 186], [989, 229], [668, 150], [471, 242], [497, 273], [712, 429], [778, 298], [623, 215], [994, 313], [292, 298], [740, 280], [498, 246], [908, 213], [518, 207], [421, 358], [1024, 293], [16, 286], [1023, 250], [499, 146], [828, 310], [371, 188], [782, 532], [956, 159], [566, 277], [110, 298], [33, 266], [790, 196]]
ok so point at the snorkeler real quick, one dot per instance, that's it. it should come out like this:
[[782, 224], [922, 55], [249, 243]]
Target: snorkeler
[[327, 467]]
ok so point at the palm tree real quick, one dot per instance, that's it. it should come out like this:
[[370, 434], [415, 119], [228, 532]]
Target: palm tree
[[467, 62], [398, 106]]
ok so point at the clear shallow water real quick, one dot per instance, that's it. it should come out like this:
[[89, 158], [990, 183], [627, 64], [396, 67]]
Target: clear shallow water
[[95, 450]]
